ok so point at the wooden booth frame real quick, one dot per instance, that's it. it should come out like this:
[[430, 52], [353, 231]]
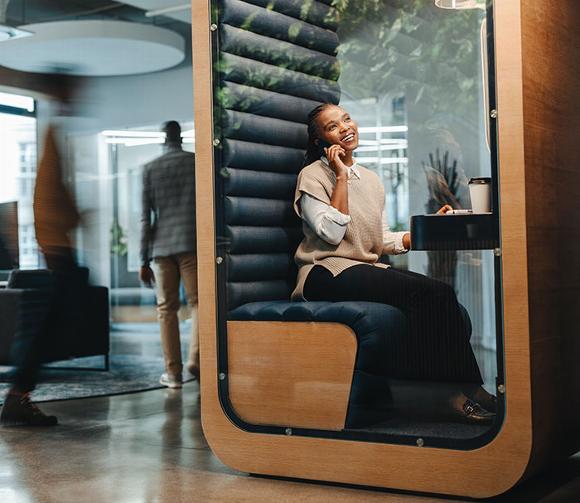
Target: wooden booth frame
[[523, 439]]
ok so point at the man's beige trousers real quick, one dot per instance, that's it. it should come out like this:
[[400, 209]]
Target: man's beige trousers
[[169, 271]]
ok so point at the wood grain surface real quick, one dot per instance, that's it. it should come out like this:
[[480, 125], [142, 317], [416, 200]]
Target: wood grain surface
[[291, 373], [487, 471], [551, 83]]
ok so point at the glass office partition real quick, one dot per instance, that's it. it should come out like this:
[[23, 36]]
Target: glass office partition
[[98, 119], [108, 183], [18, 172], [127, 154], [415, 78]]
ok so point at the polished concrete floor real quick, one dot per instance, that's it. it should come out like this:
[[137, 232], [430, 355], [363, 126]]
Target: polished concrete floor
[[149, 447]]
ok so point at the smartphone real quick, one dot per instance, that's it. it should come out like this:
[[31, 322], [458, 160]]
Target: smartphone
[[322, 144]]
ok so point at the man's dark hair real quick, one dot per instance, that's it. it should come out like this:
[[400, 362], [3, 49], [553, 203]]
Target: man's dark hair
[[172, 131]]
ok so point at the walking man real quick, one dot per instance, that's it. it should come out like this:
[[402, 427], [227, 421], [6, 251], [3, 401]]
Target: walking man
[[168, 238]]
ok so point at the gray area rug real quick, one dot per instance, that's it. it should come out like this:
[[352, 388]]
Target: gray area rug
[[127, 374], [136, 365]]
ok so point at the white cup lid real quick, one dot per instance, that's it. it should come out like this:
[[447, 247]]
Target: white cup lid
[[480, 181]]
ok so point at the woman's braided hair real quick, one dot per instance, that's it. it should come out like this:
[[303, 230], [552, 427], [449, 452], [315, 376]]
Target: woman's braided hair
[[313, 149]]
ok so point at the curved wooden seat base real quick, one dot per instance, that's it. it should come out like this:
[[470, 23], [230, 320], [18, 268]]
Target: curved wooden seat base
[[291, 373]]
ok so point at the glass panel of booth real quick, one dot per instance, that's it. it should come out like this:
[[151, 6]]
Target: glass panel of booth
[[413, 77], [414, 80]]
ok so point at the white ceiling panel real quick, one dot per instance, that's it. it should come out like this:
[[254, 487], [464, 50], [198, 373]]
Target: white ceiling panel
[[153, 5]]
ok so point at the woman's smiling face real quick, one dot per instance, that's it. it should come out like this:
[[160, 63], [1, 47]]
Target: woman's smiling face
[[336, 127]]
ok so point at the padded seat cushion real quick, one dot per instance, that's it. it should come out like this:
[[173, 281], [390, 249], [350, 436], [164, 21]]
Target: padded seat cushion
[[378, 327], [381, 336]]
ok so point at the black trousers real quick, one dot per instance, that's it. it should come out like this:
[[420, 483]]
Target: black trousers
[[437, 345], [43, 319]]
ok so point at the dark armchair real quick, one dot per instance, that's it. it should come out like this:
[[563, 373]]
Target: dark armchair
[[75, 318]]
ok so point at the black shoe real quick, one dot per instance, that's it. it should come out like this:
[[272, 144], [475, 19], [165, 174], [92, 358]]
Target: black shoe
[[472, 412], [490, 404], [18, 410], [485, 399]]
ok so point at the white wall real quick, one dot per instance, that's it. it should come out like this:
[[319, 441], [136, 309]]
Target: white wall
[[139, 100]]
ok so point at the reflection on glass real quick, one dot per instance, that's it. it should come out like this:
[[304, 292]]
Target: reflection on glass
[[106, 132], [411, 75], [113, 207]]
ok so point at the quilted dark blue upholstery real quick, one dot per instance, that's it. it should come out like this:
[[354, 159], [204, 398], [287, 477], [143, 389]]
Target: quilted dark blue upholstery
[[276, 25], [248, 99], [378, 327], [277, 61]]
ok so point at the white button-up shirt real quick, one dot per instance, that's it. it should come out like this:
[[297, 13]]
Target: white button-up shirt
[[330, 224]]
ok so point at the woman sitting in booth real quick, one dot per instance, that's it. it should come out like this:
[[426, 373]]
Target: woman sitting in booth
[[342, 204]]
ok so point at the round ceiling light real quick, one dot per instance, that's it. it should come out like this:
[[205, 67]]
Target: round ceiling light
[[94, 48]]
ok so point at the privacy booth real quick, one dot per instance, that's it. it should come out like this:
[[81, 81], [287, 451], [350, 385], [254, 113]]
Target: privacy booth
[[443, 91]]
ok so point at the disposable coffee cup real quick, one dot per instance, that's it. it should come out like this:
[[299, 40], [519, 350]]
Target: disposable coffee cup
[[480, 194]]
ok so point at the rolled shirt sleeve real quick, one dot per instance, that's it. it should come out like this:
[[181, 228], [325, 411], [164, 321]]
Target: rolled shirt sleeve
[[327, 222], [392, 241], [146, 228]]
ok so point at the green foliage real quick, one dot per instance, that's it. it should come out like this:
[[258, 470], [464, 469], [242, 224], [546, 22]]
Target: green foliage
[[307, 5], [410, 47], [118, 240]]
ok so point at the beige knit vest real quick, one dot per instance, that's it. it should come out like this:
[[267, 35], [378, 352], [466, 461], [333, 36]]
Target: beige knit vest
[[363, 240]]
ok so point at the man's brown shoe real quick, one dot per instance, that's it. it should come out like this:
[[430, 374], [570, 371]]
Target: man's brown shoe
[[18, 410]]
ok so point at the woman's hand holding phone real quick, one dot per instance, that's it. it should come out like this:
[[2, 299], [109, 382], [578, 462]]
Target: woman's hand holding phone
[[333, 154], [445, 209], [339, 199]]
